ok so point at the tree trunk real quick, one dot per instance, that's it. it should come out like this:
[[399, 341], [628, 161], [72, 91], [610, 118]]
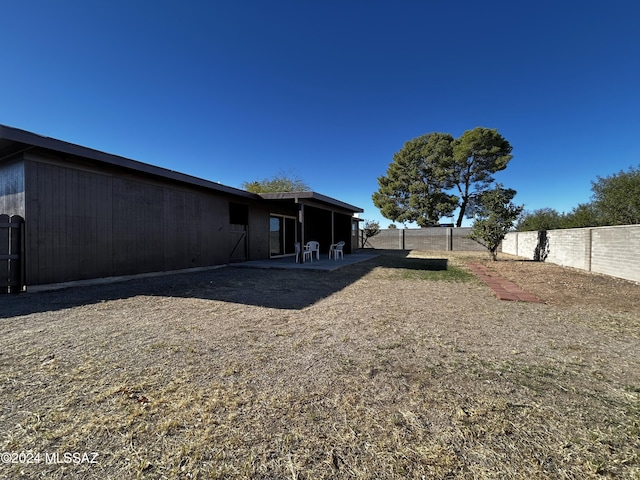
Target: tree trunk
[[463, 208]]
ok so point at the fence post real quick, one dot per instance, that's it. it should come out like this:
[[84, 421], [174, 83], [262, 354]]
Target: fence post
[[4, 253], [15, 241], [11, 254]]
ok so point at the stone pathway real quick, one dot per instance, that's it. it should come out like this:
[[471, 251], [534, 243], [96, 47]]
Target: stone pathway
[[503, 288]]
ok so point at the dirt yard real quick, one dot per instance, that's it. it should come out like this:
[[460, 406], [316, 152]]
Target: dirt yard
[[401, 367]]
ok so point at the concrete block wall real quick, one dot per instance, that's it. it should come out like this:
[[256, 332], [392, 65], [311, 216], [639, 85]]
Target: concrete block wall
[[435, 238], [510, 242], [570, 247], [616, 251], [390, 238], [426, 239], [461, 243], [612, 251], [522, 244]]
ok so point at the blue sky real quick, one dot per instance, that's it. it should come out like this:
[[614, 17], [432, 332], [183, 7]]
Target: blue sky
[[330, 90]]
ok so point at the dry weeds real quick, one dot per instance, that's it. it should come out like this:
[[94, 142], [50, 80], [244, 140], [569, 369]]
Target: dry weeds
[[384, 370]]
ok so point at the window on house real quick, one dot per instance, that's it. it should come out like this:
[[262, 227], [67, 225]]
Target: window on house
[[238, 213]]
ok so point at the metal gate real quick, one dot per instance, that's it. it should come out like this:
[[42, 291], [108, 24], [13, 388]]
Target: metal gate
[[11, 254]]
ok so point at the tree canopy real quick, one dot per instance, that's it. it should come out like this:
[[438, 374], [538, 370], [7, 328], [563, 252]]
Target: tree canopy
[[280, 182], [412, 190], [615, 201], [435, 174], [494, 217], [477, 155], [617, 197], [541, 219]]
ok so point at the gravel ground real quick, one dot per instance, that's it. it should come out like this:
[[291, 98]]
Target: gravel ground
[[404, 366]]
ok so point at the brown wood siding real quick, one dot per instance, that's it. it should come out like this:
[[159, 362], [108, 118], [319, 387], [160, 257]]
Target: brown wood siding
[[343, 230], [87, 224], [138, 228], [181, 240], [12, 189], [259, 214], [196, 229], [69, 224], [86, 219]]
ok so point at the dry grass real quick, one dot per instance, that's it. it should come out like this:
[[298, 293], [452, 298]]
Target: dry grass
[[390, 369]]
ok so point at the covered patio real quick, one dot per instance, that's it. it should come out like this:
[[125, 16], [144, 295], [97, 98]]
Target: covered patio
[[310, 216]]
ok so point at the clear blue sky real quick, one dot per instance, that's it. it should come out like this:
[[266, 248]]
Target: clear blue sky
[[329, 90]]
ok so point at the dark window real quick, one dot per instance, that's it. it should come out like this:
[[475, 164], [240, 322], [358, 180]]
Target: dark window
[[238, 213]]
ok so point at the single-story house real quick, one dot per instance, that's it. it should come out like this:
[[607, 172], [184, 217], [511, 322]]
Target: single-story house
[[90, 214]]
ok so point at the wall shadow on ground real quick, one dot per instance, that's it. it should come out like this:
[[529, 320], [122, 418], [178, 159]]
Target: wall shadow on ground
[[271, 288], [399, 259]]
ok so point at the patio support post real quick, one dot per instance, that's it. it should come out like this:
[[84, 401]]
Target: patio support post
[[333, 226], [300, 233]]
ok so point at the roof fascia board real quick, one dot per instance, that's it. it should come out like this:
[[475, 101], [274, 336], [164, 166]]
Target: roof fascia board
[[309, 198]]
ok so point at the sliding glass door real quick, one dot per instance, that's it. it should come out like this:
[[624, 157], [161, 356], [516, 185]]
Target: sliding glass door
[[282, 235]]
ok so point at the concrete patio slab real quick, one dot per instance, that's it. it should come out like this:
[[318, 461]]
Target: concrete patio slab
[[289, 263]]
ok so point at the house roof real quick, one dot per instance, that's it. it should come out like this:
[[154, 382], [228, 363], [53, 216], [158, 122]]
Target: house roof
[[14, 140], [301, 197]]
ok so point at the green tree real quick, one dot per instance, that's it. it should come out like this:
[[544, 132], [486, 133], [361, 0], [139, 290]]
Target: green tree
[[425, 175], [617, 197], [615, 201], [412, 190], [495, 216], [541, 219], [584, 215], [477, 155], [280, 182]]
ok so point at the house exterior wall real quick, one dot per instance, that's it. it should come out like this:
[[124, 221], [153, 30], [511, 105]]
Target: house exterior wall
[[608, 250], [90, 214], [12, 189], [87, 222], [61, 237], [343, 231], [259, 217]]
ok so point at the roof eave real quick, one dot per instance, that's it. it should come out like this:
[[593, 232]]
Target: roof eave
[[298, 196], [34, 140]]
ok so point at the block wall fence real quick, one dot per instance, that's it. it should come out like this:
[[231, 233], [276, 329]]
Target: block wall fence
[[612, 251], [432, 238]]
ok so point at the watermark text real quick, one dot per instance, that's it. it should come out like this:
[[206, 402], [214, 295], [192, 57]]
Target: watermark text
[[29, 457]]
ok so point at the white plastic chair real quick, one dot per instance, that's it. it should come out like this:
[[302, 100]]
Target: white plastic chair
[[335, 250], [307, 253], [313, 247]]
